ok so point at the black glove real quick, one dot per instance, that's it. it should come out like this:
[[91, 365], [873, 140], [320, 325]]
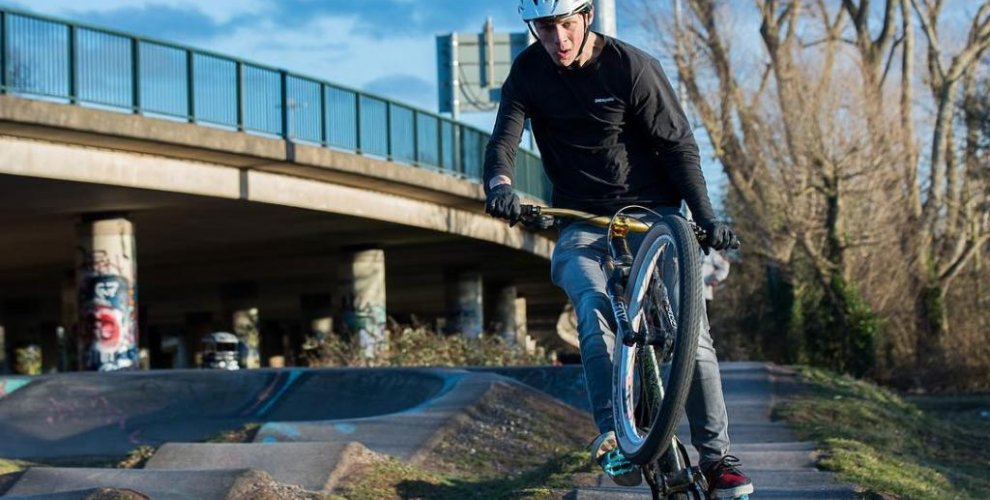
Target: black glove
[[503, 202], [718, 236]]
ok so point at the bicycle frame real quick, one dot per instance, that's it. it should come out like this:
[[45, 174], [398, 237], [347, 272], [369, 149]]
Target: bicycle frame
[[672, 473]]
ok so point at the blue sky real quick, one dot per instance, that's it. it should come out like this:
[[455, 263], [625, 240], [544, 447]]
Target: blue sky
[[386, 47], [382, 46]]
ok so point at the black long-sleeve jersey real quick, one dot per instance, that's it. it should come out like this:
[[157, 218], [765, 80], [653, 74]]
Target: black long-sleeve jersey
[[610, 133]]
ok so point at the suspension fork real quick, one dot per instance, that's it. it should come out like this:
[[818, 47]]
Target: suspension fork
[[616, 267]]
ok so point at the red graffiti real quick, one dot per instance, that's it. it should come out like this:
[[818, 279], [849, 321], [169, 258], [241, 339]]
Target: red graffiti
[[105, 325]]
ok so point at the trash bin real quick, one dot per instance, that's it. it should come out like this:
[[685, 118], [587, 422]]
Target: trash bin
[[220, 350]]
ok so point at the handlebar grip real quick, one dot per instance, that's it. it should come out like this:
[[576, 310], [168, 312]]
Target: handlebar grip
[[531, 216], [530, 210], [700, 234]]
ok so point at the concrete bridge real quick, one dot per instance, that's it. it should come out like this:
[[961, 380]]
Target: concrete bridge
[[236, 190]]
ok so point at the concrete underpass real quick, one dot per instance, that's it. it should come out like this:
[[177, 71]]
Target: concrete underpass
[[224, 220]]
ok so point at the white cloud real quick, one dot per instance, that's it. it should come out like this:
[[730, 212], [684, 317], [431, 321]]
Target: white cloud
[[329, 48], [217, 10]]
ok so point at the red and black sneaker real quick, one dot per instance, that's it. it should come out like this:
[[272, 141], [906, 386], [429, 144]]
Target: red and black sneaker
[[726, 481]]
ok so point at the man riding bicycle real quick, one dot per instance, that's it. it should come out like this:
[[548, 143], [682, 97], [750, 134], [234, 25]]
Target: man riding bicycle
[[611, 133]]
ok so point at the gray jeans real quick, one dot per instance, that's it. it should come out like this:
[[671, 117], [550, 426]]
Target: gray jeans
[[575, 268]]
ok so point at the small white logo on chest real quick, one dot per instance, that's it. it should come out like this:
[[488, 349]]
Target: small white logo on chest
[[604, 100]]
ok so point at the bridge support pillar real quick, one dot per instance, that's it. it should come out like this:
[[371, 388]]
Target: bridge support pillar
[[188, 350], [522, 329], [240, 302], [362, 292], [465, 303], [317, 324], [248, 331], [69, 318], [106, 277], [507, 320]]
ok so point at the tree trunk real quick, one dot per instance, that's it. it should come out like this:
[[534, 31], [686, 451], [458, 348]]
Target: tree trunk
[[933, 326]]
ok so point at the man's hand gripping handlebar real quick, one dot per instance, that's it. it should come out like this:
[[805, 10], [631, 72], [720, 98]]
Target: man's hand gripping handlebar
[[542, 218], [532, 217]]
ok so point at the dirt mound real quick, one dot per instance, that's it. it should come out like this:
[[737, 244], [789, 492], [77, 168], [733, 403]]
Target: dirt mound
[[258, 485], [509, 429], [511, 439], [116, 494]]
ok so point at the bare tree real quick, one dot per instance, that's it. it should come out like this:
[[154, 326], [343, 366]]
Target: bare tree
[[949, 210], [807, 153], [887, 203]]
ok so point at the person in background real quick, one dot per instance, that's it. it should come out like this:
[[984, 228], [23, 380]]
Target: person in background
[[714, 270]]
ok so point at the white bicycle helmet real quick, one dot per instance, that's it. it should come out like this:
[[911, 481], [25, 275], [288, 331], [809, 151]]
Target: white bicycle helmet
[[531, 10]]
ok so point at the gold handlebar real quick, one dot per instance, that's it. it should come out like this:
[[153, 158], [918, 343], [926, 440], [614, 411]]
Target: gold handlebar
[[621, 222]]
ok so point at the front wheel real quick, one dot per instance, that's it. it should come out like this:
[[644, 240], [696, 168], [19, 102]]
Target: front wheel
[[665, 304]]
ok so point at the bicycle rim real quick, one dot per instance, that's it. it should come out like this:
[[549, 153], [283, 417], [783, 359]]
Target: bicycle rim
[[650, 384]]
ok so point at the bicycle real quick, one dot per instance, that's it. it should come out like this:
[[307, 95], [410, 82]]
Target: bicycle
[[656, 299]]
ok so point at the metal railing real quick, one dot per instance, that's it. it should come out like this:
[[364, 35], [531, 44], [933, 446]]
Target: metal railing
[[56, 60]]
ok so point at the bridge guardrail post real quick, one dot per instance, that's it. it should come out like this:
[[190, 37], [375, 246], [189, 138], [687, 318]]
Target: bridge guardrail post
[[323, 115], [458, 149], [73, 83], [3, 52], [388, 130], [357, 122], [415, 134], [190, 87], [440, 143], [136, 76], [283, 78], [239, 75]]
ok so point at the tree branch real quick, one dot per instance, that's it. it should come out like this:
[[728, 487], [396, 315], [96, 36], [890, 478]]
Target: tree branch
[[954, 265], [890, 60]]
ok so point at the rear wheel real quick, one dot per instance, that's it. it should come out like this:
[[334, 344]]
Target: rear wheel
[[651, 381]]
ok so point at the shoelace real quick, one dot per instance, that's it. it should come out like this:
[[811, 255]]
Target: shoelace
[[728, 462]]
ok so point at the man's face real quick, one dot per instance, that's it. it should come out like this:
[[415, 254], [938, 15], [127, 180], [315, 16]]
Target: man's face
[[561, 37]]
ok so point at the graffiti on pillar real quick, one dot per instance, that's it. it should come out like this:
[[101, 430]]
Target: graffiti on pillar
[[107, 290], [100, 263], [246, 330], [466, 321], [108, 323], [363, 300], [464, 305], [368, 322]]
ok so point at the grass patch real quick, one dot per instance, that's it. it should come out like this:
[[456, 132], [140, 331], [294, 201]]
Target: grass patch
[[10, 471], [243, 435], [8, 466], [892, 447], [390, 478], [137, 457]]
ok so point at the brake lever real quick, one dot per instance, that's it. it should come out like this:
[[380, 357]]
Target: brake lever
[[700, 234], [531, 218]]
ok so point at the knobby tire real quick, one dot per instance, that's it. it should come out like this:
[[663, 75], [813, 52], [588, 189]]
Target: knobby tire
[[690, 308]]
